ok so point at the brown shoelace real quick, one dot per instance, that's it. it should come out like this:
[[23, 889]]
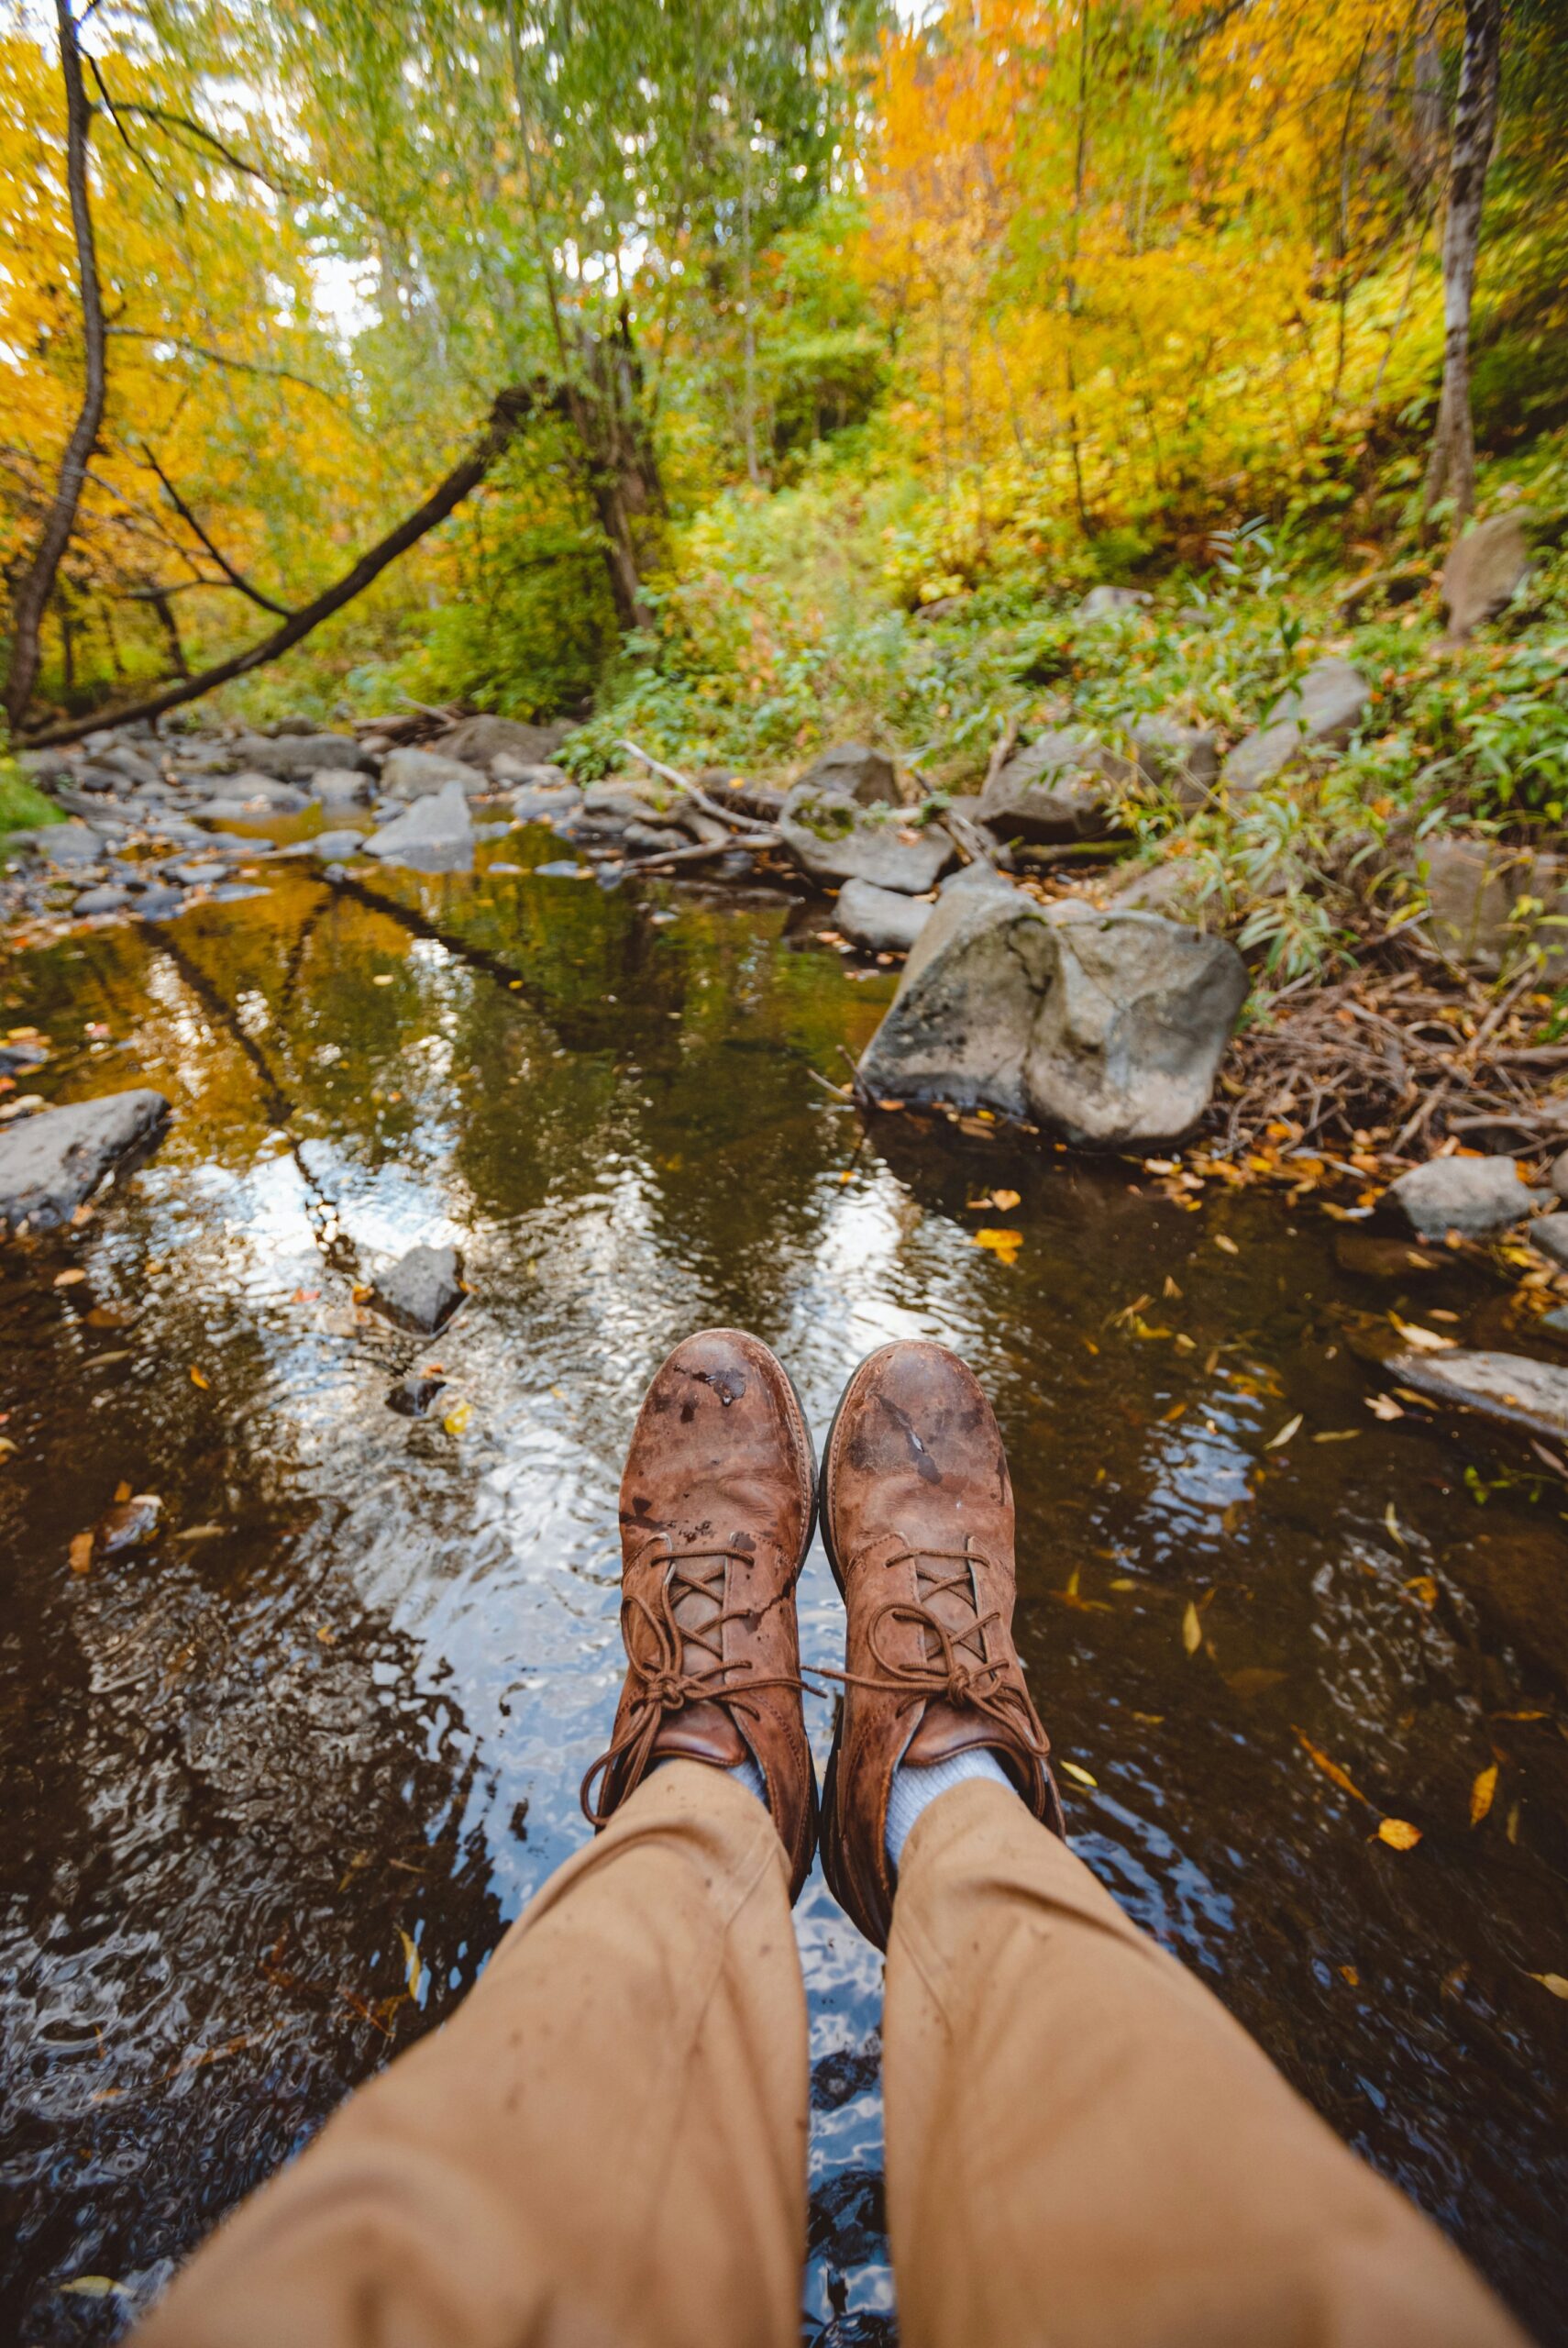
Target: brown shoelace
[[664, 1686], [960, 1669]]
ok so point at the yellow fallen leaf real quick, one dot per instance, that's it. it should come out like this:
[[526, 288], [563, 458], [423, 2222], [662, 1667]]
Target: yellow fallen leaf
[[201, 1533], [1338, 1434], [93, 2286], [1383, 1406], [1003, 1245], [1349, 1974], [1192, 1629], [1230, 1247], [455, 1421], [1481, 1794], [1278, 1442], [1316, 1755], [198, 1380], [1425, 1341], [1423, 1590], [413, 1969], [1398, 1833], [1556, 1982], [1079, 1777], [81, 1553], [69, 1278], [1391, 1521], [1005, 1199]]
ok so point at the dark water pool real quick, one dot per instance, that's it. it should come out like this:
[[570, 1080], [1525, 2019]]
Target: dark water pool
[[343, 1700]]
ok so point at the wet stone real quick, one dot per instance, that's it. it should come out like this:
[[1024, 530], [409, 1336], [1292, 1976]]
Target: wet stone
[[107, 900], [412, 1397], [422, 1290], [53, 1162], [1550, 1233], [1476, 1196]]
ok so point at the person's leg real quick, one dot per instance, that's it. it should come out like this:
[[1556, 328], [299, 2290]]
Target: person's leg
[[606, 2143], [1083, 2149]]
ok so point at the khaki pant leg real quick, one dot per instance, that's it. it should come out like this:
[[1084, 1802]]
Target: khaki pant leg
[[606, 2143], [1085, 2150]]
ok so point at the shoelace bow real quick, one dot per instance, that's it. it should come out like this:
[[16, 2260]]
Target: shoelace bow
[[663, 1685], [960, 1669]]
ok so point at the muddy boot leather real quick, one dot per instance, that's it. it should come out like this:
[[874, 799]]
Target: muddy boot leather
[[717, 1505], [918, 1521]]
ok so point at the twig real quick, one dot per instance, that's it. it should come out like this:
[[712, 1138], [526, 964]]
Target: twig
[[709, 806]]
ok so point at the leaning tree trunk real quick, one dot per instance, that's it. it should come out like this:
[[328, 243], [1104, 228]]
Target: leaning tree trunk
[[38, 579], [1451, 467], [512, 408]]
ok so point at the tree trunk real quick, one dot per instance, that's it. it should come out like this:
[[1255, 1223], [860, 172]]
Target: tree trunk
[[37, 581], [1452, 468], [512, 408]]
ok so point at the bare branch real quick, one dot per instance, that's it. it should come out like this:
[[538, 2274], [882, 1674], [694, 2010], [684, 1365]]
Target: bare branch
[[236, 578]]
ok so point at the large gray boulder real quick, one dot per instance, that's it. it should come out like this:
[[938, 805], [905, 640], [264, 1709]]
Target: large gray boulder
[[51, 1163], [437, 835], [1182, 759], [880, 920], [1472, 887], [1476, 1196], [478, 740], [1106, 1027], [855, 772], [1055, 791], [834, 840], [1484, 568], [414, 774], [297, 753], [1319, 713], [422, 1290]]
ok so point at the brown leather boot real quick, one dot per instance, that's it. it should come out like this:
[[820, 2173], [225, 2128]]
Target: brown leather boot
[[717, 1505], [917, 1519]]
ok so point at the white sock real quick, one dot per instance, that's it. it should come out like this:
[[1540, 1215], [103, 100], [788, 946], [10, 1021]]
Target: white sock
[[913, 1789], [745, 1773]]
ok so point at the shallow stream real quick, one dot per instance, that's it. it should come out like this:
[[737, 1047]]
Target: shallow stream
[[342, 1702]]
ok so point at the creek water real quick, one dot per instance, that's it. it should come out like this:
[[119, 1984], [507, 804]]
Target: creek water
[[341, 1703]]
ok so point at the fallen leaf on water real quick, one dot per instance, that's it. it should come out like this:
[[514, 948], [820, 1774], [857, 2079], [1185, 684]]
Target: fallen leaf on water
[[1170, 1287], [6, 1446], [412, 1968], [306, 1295], [1398, 1833], [1192, 1629], [1228, 1244], [890, 1106], [81, 1553], [201, 1533], [1005, 1199], [1253, 1681], [1392, 1522], [455, 1421], [326, 1635], [1481, 1794], [1316, 1755], [122, 1490], [1383, 1406], [1423, 1590], [1175, 1412], [1556, 1982], [1425, 1341], [197, 1378], [1079, 1777], [1004, 1245], [107, 1316], [1276, 1442], [1123, 1581], [69, 1278], [1349, 1974], [1150, 1720], [93, 2286], [1337, 1435]]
